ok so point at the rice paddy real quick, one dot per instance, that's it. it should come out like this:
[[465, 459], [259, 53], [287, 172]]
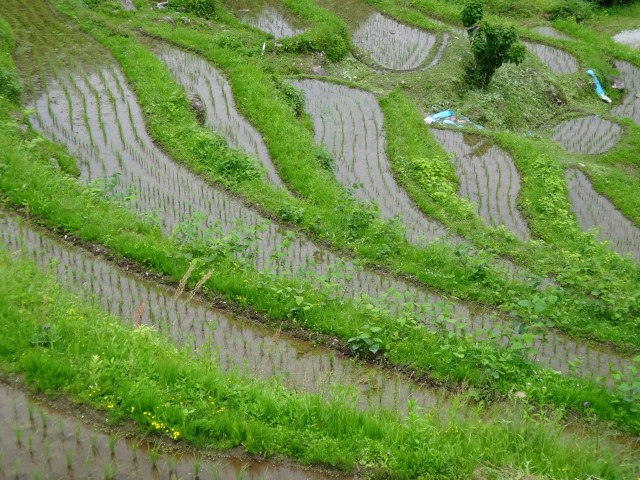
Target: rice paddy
[[587, 135], [488, 178], [370, 366], [630, 106], [556, 59], [596, 211], [269, 17]]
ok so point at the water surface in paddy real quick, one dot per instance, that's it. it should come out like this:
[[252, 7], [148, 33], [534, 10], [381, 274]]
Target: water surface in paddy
[[596, 211], [630, 106], [488, 177], [628, 37], [390, 44], [267, 15], [590, 135], [556, 59], [236, 343], [200, 78], [54, 445], [93, 112]]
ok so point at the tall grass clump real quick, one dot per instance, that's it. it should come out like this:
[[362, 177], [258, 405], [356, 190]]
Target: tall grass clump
[[201, 8], [10, 86]]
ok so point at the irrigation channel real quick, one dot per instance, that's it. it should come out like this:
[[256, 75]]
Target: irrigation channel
[[93, 112], [590, 135], [269, 16], [488, 177], [236, 343], [390, 44], [40, 441], [596, 211]]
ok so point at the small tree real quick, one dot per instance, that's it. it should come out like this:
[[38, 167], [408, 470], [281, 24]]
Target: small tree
[[491, 45]]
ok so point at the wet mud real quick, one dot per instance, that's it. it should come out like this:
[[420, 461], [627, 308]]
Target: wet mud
[[589, 135], [38, 441], [488, 178], [556, 59], [596, 211]]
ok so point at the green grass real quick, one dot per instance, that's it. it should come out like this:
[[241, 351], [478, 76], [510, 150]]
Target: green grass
[[137, 375]]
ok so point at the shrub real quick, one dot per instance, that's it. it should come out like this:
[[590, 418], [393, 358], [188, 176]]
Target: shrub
[[577, 9]]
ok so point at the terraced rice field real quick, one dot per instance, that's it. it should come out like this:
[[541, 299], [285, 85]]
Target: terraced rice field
[[631, 100], [596, 211], [391, 44], [556, 59], [96, 115], [235, 343], [629, 37], [206, 83], [349, 123], [38, 441], [269, 17], [81, 98], [590, 135], [488, 177]]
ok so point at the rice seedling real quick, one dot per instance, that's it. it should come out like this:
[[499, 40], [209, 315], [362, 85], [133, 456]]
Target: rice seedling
[[556, 59]]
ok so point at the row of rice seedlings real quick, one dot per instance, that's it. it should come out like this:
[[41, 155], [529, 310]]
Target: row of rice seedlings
[[596, 211], [488, 178], [551, 32], [173, 194], [231, 341], [349, 123], [630, 106], [39, 442], [590, 135], [201, 79], [393, 45], [556, 59]]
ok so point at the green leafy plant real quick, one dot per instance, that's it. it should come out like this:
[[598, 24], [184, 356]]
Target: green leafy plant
[[367, 341], [491, 45]]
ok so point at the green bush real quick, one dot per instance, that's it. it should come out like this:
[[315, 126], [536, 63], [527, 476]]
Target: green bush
[[201, 8], [579, 10], [332, 39]]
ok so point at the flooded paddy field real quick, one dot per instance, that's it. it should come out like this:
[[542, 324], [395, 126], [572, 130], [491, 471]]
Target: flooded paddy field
[[349, 123], [596, 211], [391, 44], [206, 83], [269, 16], [556, 59], [590, 135], [630, 106], [95, 114], [40, 441], [628, 37], [235, 343], [488, 177]]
